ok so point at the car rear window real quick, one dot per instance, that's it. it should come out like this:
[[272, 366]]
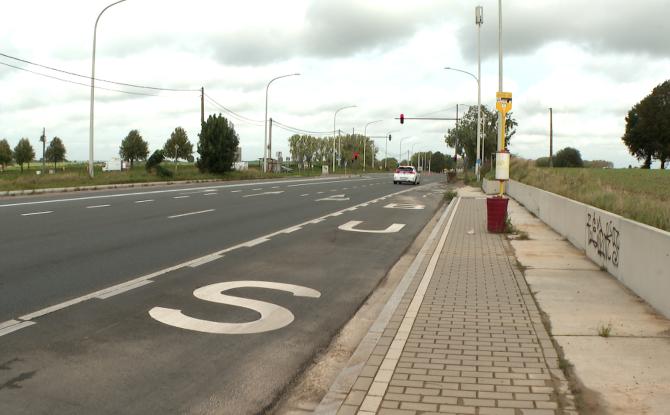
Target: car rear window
[[406, 169]]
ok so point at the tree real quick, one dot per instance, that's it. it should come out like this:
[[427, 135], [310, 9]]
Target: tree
[[56, 151], [437, 162], [23, 153], [217, 145], [647, 134], [542, 162], [178, 146], [390, 162], [5, 153], [568, 157], [133, 147], [463, 137]]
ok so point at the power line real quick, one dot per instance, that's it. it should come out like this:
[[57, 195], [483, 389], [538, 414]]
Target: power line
[[97, 79], [235, 115], [299, 130], [75, 82]]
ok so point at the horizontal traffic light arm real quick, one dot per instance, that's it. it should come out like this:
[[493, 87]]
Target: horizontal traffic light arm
[[430, 119]]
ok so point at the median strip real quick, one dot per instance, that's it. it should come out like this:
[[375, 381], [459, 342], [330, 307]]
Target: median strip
[[191, 213]]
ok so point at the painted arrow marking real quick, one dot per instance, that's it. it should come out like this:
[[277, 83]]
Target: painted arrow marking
[[351, 227], [265, 193], [273, 317], [335, 198]]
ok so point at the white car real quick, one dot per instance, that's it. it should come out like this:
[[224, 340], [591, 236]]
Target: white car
[[406, 174]]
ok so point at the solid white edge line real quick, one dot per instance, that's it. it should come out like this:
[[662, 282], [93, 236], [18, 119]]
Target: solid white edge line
[[153, 275], [37, 213], [382, 379], [191, 213], [122, 290], [204, 260]]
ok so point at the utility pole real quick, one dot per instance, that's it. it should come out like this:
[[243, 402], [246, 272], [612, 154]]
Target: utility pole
[[456, 145], [551, 137], [43, 139], [202, 106], [479, 20]]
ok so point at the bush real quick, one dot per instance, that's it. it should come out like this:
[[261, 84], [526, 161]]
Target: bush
[[542, 162], [156, 158], [217, 146], [568, 157]]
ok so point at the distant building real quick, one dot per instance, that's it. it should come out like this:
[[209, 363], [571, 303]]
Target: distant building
[[238, 154]]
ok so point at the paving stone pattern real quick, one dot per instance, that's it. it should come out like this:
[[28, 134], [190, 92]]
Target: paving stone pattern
[[477, 346]]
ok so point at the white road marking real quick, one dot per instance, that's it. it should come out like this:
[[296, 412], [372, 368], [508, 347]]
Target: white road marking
[[293, 229], [336, 214], [205, 260], [180, 197], [351, 227], [407, 206], [345, 188], [190, 213], [97, 206], [254, 242], [164, 271], [235, 191], [275, 187], [276, 192], [13, 325], [46, 212], [334, 190], [273, 317], [334, 198], [382, 379], [144, 201], [334, 181], [257, 189], [121, 290], [303, 195], [210, 194], [311, 182], [318, 193]]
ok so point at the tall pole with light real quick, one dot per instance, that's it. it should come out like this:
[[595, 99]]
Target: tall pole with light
[[266, 147], [91, 117], [365, 137], [335, 130], [479, 20], [400, 150]]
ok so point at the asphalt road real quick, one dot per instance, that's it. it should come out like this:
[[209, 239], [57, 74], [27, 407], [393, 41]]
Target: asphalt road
[[190, 299]]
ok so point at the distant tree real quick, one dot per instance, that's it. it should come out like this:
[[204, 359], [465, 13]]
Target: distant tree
[[647, 134], [463, 137], [56, 151], [568, 157], [133, 147], [437, 162], [24, 153], [178, 146], [390, 162], [598, 164], [156, 158], [5, 154], [542, 162], [217, 145]]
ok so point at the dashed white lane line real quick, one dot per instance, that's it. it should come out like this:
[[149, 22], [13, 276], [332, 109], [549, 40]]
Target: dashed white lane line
[[318, 193], [46, 212], [235, 191], [24, 321], [97, 206], [180, 197], [144, 201], [303, 195], [210, 194], [275, 187], [190, 213], [257, 189]]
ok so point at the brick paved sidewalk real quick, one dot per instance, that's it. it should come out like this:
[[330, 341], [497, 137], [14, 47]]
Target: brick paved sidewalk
[[467, 338]]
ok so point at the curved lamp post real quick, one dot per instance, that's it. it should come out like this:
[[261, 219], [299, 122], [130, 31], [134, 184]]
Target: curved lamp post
[[479, 116], [365, 144], [265, 146], [91, 119]]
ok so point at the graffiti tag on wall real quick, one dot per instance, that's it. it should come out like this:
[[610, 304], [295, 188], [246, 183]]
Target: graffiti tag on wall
[[603, 235]]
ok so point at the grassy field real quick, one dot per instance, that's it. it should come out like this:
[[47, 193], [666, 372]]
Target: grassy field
[[638, 194], [75, 175]]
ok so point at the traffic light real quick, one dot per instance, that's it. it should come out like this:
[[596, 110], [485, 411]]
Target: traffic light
[[402, 118], [389, 137]]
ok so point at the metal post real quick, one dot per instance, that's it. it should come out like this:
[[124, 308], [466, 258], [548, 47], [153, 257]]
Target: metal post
[[91, 118], [266, 148], [551, 137], [43, 139], [479, 20], [202, 106], [270, 139]]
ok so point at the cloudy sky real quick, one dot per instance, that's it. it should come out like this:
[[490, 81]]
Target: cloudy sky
[[590, 61]]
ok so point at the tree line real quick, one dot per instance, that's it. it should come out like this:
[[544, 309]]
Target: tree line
[[310, 151], [24, 153]]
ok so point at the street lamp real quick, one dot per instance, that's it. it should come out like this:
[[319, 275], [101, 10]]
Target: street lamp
[[479, 114], [334, 121], [90, 131], [410, 154], [266, 148], [365, 135]]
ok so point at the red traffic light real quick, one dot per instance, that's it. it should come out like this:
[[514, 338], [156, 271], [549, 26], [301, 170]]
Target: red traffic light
[[402, 118]]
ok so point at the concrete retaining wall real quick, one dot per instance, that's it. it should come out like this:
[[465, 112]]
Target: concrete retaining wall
[[636, 254]]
